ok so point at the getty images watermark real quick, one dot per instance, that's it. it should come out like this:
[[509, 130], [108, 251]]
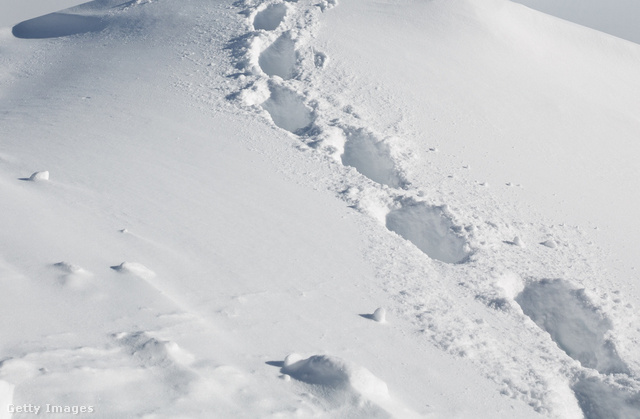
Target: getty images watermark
[[49, 408]]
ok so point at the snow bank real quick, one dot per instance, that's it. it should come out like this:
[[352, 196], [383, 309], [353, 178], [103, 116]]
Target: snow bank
[[337, 374]]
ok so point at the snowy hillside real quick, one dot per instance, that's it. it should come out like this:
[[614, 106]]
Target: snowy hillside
[[298, 209]]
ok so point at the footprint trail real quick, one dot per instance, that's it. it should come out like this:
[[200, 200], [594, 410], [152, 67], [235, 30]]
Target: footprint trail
[[279, 61]]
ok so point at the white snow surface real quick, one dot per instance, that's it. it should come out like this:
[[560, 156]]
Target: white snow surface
[[234, 183]]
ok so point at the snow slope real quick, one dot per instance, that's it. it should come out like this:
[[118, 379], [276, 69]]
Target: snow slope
[[232, 190]]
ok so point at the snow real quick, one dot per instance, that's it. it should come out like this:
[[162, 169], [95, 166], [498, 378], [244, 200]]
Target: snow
[[287, 108], [270, 17], [279, 59], [573, 323], [39, 176], [379, 315], [235, 183], [430, 229], [371, 157]]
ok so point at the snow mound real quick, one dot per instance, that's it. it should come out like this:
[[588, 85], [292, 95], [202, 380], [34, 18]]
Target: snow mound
[[153, 352], [270, 18], [287, 109], [39, 176], [73, 276], [337, 374], [69, 268], [380, 315], [279, 59], [430, 229], [55, 25], [573, 323], [517, 241], [551, 244], [370, 157], [134, 268], [600, 400], [343, 389]]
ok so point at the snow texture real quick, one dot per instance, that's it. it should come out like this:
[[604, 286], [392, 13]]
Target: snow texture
[[282, 167]]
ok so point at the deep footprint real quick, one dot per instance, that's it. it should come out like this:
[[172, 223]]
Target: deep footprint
[[599, 400], [370, 157], [270, 18], [280, 58], [431, 230], [573, 323], [287, 109]]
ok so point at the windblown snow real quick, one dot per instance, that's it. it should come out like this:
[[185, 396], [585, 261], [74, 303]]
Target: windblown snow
[[354, 209]]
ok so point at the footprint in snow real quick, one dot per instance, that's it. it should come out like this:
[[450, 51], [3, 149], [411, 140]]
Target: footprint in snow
[[280, 58], [287, 109], [573, 323], [371, 157], [319, 59], [604, 398], [270, 18], [431, 229]]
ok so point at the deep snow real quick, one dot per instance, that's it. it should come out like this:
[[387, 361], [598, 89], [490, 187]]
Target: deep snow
[[404, 193]]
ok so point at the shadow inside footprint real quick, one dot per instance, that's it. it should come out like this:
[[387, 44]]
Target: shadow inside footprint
[[431, 230], [270, 18], [287, 109], [371, 157], [279, 59], [600, 400], [573, 323]]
